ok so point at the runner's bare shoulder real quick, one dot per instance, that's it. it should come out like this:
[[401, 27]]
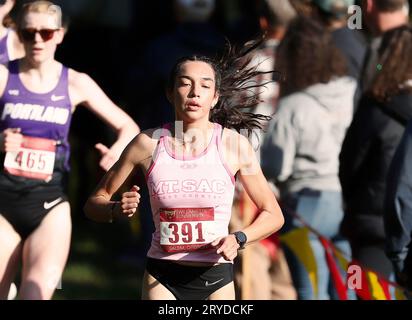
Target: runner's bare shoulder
[[141, 148]]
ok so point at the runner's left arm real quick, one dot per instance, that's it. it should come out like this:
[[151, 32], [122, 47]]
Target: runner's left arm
[[270, 218]]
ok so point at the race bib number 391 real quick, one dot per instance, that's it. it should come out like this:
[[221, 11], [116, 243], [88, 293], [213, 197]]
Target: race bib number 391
[[35, 159], [186, 229]]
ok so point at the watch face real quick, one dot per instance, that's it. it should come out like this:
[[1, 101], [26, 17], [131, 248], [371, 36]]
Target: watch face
[[241, 238]]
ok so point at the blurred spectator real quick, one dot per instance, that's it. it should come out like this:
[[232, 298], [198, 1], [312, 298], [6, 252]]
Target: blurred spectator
[[274, 17], [398, 211], [302, 7], [380, 16], [334, 15], [300, 151], [369, 146]]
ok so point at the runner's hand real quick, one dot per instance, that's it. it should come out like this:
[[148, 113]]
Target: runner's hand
[[130, 201], [10, 140], [226, 246]]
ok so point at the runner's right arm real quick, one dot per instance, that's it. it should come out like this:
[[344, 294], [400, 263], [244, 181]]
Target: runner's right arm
[[99, 206]]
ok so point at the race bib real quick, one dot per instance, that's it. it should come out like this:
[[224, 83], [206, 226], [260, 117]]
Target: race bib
[[186, 229], [34, 159]]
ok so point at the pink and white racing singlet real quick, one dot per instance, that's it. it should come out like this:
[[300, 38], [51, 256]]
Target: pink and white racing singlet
[[191, 201]]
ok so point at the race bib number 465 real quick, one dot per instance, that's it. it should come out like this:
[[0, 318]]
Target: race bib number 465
[[35, 159], [186, 229]]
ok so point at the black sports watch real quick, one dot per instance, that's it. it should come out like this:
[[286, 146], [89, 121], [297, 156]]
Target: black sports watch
[[240, 238]]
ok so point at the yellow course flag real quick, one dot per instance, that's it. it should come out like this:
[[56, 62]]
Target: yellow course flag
[[298, 241], [375, 288]]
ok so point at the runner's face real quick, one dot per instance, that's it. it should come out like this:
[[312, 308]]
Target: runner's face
[[195, 91], [40, 48]]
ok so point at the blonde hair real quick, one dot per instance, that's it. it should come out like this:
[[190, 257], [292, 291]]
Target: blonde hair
[[41, 7]]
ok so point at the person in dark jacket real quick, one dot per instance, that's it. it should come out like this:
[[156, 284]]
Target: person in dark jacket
[[369, 146], [398, 211]]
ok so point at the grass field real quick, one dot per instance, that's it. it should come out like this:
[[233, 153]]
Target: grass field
[[103, 263]]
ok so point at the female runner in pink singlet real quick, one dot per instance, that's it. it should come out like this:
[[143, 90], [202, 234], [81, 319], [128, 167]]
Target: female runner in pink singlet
[[191, 166]]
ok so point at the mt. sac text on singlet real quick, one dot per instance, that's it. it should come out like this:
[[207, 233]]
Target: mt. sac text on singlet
[[190, 185]]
